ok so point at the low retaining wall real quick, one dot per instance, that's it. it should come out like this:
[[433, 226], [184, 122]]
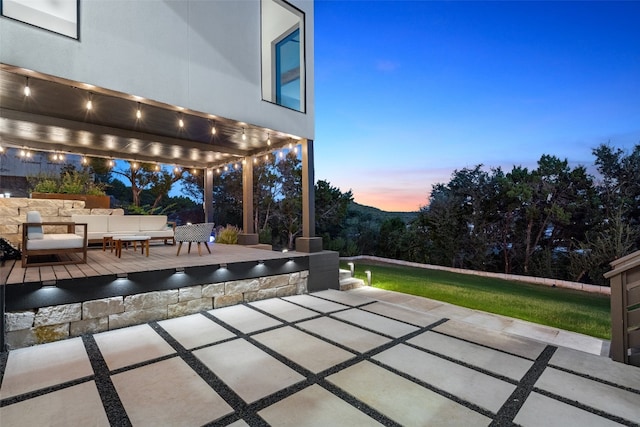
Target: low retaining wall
[[605, 290], [53, 323], [13, 212]]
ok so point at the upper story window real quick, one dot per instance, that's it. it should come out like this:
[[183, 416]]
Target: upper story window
[[283, 62]]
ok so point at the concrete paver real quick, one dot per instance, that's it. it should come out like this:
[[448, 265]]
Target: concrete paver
[[78, 405], [540, 410], [314, 407], [33, 368], [128, 346], [306, 350], [153, 395], [331, 358], [244, 318], [491, 360], [608, 399], [597, 367], [410, 316], [284, 310], [458, 380], [403, 401], [249, 371], [195, 330], [383, 325], [349, 336], [511, 344]]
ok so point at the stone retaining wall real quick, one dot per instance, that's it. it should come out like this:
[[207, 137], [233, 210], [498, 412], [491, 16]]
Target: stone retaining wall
[[13, 212], [513, 277], [53, 323]]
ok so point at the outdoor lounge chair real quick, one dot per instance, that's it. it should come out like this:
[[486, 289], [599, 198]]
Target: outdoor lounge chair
[[36, 242], [200, 233]]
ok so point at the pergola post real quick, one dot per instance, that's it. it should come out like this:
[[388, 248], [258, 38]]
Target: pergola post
[[308, 242], [248, 235], [208, 195]]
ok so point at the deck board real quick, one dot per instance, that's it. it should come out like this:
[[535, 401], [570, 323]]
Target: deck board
[[161, 257]]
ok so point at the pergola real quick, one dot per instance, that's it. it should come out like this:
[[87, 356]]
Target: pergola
[[65, 116]]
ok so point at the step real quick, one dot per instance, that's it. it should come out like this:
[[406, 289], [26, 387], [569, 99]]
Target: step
[[351, 283]]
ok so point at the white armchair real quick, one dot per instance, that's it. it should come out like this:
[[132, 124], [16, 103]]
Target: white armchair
[[36, 242], [199, 233]]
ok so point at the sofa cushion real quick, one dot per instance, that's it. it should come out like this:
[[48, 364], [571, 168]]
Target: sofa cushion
[[153, 222], [56, 241], [95, 223], [124, 223], [35, 231], [158, 234]]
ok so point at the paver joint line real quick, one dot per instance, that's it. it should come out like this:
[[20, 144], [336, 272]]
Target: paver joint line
[[590, 409], [111, 402], [514, 403], [596, 379]]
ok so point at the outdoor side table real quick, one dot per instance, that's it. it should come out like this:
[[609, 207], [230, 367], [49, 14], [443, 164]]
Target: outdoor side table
[[143, 240]]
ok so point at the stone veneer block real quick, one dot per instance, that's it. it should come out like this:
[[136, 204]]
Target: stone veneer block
[[8, 211], [8, 229], [189, 293], [212, 290], [97, 211], [20, 339], [287, 291], [50, 211], [189, 307], [274, 281], [16, 321], [241, 286], [73, 211], [136, 317], [259, 295], [51, 333], [41, 204], [89, 326], [227, 300], [15, 202], [150, 299], [102, 307], [58, 314]]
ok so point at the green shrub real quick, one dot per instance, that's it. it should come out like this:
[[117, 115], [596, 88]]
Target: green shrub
[[228, 235], [71, 181], [46, 186]]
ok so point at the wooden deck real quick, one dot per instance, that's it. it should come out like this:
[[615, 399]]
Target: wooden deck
[[161, 257]]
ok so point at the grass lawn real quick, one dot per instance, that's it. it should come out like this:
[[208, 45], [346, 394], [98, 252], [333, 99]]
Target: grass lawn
[[558, 307]]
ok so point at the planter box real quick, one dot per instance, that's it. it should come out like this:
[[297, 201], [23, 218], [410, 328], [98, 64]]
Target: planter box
[[90, 201]]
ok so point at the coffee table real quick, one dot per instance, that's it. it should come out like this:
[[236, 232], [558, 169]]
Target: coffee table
[[119, 240]]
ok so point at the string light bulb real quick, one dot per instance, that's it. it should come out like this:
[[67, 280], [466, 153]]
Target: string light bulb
[[268, 139], [27, 89], [85, 160], [110, 163], [90, 102], [138, 112], [176, 170], [157, 167], [213, 129], [180, 121], [244, 135]]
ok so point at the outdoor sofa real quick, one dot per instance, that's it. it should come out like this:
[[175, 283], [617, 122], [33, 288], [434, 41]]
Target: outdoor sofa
[[100, 226], [35, 242]]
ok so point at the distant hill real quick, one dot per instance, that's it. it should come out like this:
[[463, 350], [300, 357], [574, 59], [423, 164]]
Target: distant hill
[[379, 215]]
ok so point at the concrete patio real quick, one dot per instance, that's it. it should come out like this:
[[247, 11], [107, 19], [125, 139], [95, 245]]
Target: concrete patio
[[361, 357]]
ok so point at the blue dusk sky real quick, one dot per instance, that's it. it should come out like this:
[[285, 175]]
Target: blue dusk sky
[[409, 91]]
